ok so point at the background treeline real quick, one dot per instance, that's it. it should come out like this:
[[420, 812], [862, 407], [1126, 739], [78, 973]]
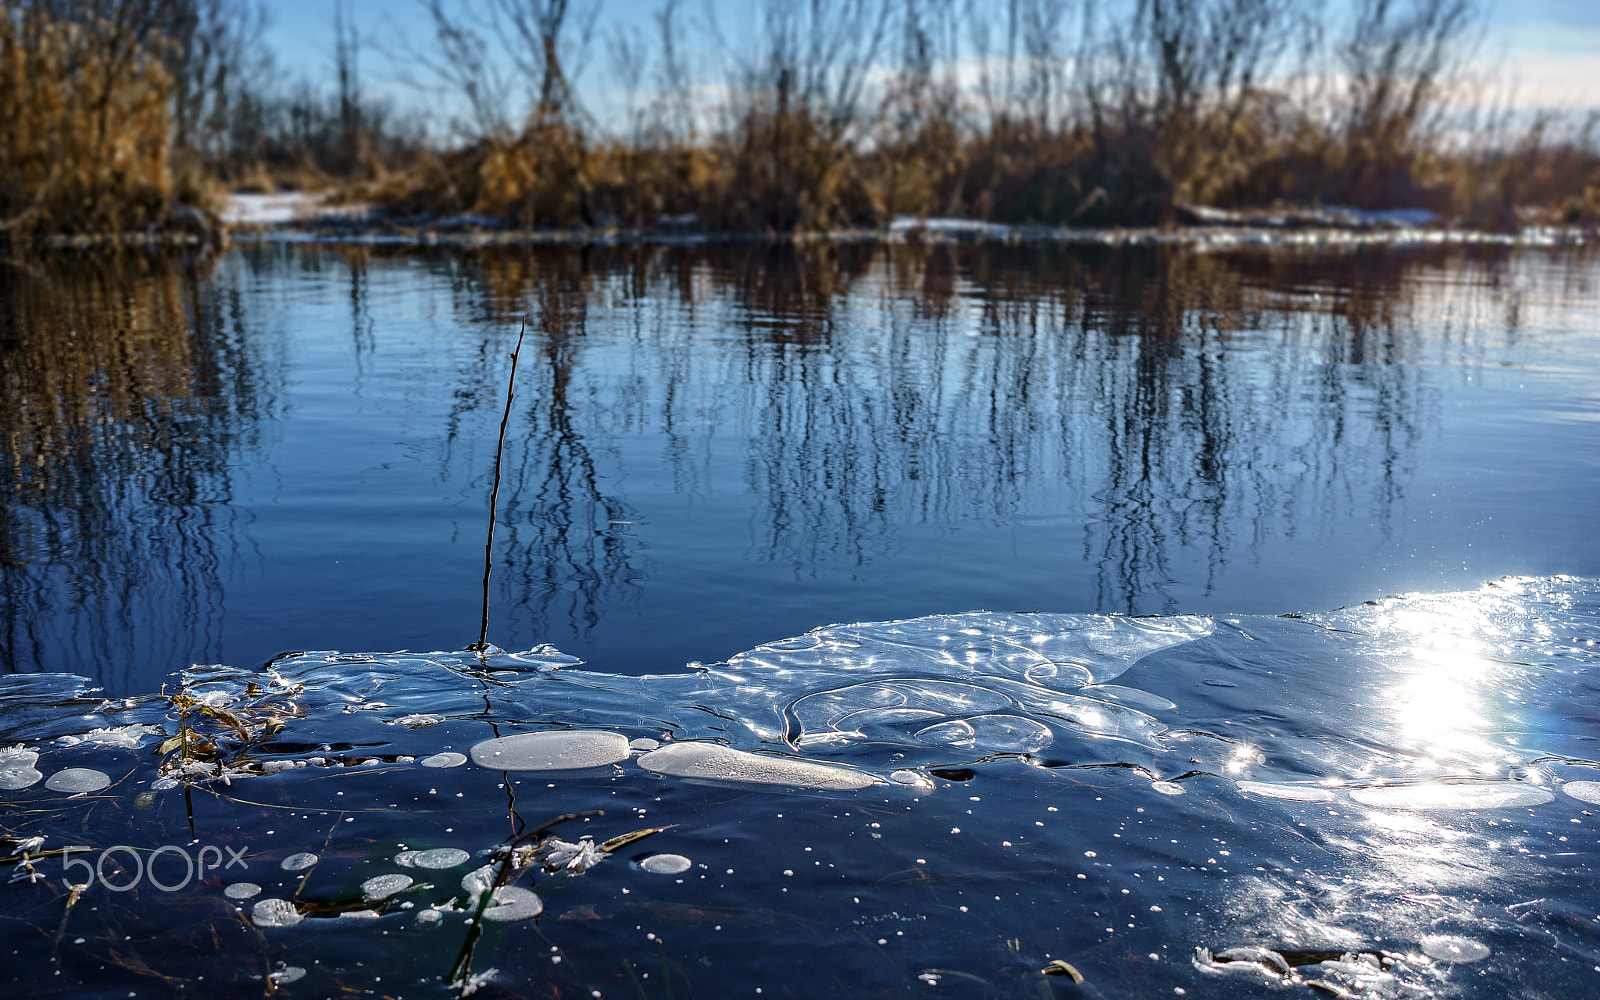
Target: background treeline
[[117, 114], [807, 115]]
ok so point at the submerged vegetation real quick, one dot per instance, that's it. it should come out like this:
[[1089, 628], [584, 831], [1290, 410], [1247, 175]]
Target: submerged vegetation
[[828, 114]]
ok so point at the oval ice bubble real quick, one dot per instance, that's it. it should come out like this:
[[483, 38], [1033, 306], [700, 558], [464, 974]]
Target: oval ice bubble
[[77, 779], [1291, 793], [1010, 732], [1450, 948], [242, 890], [512, 902], [445, 758], [436, 859], [713, 761], [384, 886], [1442, 795], [298, 862], [1583, 791], [665, 864], [15, 778], [1131, 696], [954, 733], [552, 750]]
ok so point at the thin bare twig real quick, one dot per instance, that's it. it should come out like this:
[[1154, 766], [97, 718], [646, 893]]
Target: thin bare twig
[[482, 645]]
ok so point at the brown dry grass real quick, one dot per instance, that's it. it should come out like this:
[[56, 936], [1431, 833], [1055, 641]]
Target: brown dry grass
[[774, 170], [86, 143], [88, 147]]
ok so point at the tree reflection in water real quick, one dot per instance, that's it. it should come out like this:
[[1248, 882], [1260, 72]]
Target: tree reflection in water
[[873, 387], [1177, 408], [127, 384]]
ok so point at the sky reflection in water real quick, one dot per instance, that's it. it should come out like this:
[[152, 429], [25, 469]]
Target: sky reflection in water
[[288, 447]]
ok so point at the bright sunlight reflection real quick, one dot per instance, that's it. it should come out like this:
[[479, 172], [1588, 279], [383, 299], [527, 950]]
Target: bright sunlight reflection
[[1442, 703]]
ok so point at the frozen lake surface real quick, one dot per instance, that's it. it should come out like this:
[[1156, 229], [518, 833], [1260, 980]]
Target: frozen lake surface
[[1393, 800]]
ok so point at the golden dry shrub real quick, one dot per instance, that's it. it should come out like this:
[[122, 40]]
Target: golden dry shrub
[[917, 171], [646, 185], [86, 140], [787, 171], [542, 177]]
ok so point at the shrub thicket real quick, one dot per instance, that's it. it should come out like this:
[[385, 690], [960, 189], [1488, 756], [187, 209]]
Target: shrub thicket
[[87, 135], [831, 113]]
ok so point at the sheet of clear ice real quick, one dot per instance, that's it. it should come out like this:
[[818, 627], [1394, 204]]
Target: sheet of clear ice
[[1375, 798]]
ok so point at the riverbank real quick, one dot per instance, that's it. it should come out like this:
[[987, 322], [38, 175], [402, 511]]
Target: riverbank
[[305, 217]]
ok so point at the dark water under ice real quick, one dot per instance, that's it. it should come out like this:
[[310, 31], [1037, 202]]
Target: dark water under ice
[[1154, 758], [1395, 800]]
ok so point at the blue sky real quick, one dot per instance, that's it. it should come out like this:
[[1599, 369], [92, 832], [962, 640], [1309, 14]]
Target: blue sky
[[1549, 48]]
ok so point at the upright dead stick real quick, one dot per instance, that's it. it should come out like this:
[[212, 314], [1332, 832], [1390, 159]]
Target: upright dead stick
[[482, 645]]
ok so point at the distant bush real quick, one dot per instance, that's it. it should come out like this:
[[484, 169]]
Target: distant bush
[[87, 126]]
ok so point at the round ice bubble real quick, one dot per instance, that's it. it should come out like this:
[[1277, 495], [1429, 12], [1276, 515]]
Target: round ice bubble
[[276, 913], [512, 902], [384, 886], [1449, 948]]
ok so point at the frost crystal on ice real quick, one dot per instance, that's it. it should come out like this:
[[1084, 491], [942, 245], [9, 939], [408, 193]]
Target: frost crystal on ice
[[580, 857]]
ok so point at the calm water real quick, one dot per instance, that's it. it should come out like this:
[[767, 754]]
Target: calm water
[[713, 447], [716, 452]]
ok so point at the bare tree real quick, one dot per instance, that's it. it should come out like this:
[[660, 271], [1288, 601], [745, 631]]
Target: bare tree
[[211, 54], [816, 56], [462, 61], [1398, 55], [629, 60], [1040, 23], [546, 49], [673, 74], [482, 49], [347, 56]]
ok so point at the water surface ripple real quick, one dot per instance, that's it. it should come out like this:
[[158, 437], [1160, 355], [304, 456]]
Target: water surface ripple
[[713, 445]]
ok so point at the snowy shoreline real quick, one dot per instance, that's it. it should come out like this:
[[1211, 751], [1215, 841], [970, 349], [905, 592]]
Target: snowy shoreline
[[299, 217]]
